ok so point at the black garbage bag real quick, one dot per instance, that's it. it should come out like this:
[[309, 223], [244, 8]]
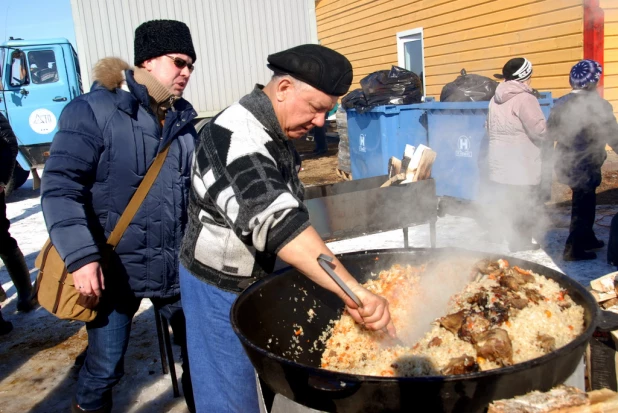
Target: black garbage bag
[[469, 88], [396, 86], [355, 100]]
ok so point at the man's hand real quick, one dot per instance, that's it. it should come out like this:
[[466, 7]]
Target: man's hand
[[374, 314], [1, 189], [89, 280]]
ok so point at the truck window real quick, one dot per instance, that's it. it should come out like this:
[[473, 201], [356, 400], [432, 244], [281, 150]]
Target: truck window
[[43, 68], [19, 74]]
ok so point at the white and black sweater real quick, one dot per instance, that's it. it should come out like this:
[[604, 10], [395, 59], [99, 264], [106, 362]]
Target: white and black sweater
[[246, 198]]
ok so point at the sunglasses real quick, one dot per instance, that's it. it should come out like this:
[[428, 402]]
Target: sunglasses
[[181, 63]]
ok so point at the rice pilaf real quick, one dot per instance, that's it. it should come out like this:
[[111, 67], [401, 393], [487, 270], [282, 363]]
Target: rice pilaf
[[504, 315]]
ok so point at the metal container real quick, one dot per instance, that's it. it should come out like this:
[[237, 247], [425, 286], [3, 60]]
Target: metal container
[[376, 135], [360, 207], [456, 131], [265, 316]]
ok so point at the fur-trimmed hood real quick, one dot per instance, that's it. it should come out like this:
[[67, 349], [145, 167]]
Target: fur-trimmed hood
[[110, 72]]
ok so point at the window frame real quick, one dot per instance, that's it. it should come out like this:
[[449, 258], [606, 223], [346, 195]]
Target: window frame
[[405, 36], [28, 56]]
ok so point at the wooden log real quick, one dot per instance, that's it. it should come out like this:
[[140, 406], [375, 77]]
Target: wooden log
[[560, 399], [424, 168], [394, 166], [393, 179]]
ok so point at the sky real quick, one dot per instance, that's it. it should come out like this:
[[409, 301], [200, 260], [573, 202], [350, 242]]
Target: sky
[[36, 19]]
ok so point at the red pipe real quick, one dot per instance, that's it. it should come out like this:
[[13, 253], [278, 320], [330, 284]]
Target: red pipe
[[594, 34]]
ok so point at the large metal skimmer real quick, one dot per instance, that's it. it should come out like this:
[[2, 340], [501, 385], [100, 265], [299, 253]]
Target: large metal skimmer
[[325, 261]]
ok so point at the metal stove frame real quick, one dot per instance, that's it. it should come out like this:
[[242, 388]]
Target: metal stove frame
[[361, 207]]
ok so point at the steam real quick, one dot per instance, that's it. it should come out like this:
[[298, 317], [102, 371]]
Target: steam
[[444, 277], [582, 124], [516, 176]]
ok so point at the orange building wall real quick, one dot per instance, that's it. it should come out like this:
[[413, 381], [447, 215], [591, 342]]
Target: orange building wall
[[610, 7], [477, 35]]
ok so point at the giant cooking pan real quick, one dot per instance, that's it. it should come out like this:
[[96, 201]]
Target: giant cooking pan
[[265, 316]]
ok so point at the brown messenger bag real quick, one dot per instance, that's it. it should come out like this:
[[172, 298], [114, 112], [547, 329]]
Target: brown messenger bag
[[55, 288]]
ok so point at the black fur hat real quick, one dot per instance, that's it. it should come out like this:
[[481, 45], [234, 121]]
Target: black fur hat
[[319, 66], [156, 38]]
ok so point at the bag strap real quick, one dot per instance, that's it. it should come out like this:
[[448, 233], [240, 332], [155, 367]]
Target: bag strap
[[137, 198]]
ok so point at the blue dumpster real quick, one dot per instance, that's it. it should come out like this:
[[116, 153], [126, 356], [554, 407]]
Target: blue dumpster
[[380, 133], [456, 131]]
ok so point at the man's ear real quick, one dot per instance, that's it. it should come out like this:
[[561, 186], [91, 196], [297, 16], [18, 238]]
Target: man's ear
[[148, 64], [284, 88]]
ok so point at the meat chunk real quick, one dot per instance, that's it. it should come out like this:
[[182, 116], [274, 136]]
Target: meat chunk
[[547, 343], [495, 345], [452, 322], [473, 326], [517, 302], [497, 274], [533, 295], [435, 342], [497, 314], [522, 276], [479, 299], [500, 292], [461, 365], [509, 282], [486, 266]]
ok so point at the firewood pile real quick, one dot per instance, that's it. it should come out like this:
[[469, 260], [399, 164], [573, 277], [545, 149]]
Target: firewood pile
[[605, 290], [560, 399], [415, 166]]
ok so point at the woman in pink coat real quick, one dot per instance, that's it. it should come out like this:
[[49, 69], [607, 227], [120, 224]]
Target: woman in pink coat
[[516, 128]]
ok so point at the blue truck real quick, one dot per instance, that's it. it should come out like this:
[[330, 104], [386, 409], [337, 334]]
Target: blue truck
[[39, 77]]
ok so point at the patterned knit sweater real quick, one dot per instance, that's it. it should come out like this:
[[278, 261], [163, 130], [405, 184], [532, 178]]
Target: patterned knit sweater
[[246, 198]]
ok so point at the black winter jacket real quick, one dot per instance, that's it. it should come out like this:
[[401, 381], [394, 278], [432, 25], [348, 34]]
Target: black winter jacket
[[582, 123]]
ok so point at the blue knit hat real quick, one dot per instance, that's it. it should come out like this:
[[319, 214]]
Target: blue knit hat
[[584, 73]]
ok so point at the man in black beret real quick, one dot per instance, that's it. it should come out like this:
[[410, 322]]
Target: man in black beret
[[246, 209], [107, 140]]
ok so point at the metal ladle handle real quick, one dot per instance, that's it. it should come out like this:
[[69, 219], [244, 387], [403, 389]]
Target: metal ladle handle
[[325, 261]]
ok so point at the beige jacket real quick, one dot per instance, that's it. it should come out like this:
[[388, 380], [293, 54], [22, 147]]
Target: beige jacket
[[516, 127]]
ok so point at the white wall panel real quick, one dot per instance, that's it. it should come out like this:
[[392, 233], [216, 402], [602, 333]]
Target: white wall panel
[[232, 39]]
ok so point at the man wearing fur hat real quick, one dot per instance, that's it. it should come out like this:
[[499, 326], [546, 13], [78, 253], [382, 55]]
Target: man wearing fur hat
[[106, 141], [246, 209]]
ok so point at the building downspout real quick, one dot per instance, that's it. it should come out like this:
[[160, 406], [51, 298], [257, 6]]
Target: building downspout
[[594, 34]]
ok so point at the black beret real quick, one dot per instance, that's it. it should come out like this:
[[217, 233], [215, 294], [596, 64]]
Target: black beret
[[156, 38], [318, 66]]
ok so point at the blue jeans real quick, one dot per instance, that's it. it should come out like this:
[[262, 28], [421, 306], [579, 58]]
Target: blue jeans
[[108, 339], [220, 369]]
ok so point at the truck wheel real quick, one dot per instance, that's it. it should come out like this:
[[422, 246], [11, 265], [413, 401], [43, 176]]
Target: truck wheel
[[18, 179]]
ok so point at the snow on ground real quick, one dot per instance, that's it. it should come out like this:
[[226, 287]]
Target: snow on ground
[[37, 371]]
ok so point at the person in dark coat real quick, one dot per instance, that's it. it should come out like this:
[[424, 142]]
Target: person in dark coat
[[582, 123], [106, 141], [10, 253]]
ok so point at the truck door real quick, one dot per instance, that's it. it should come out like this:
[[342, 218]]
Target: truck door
[[35, 98]]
